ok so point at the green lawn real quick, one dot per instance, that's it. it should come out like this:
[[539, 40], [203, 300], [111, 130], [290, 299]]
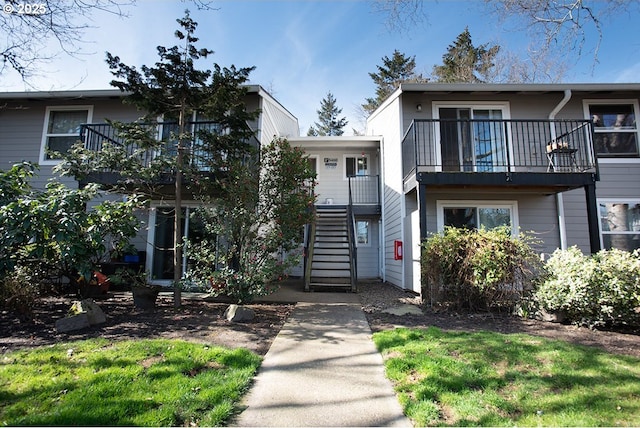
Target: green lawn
[[492, 379], [142, 382]]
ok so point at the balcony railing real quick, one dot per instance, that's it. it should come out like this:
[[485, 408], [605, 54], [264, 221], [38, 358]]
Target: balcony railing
[[490, 145], [95, 136], [364, 190]]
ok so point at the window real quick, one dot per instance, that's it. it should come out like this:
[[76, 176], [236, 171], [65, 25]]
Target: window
[[474, 215], [620, 224], [356, 166], [615, 128], [362, 233], [62, 129]]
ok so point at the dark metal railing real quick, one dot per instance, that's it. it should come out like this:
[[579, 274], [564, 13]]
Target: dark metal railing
[[364, 190], [353, 250], [491, 145], [137, 138]]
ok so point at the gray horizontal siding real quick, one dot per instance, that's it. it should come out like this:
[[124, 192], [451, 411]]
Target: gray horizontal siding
[[537, 214], [368, 256], [575, 210], [619, 181]]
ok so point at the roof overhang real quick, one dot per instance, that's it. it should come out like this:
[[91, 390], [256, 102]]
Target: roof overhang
[[343, 143], [520, 88]]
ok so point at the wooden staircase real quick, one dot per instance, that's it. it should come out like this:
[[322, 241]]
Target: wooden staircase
[[331, 250]]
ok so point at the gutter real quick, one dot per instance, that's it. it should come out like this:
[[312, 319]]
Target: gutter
[[562, 228]]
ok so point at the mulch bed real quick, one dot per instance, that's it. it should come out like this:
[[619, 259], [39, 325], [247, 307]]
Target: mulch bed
[[196, 320]]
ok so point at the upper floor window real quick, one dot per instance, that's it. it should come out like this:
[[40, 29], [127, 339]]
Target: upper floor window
[[356, 166], [62, 129], [615, 128]]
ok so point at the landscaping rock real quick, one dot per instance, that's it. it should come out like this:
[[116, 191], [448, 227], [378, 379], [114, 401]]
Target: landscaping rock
[[74, 322], [236, 313], [404, 310], [556, 317], [93, 311]]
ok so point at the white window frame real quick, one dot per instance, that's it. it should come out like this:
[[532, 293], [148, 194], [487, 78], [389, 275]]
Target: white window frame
[[511, 205], [629, 201], [45, 135], [636, 111], [344, 168], [503, 106]]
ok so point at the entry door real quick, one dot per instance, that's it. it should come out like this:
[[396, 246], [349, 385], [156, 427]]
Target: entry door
[[470, 140]]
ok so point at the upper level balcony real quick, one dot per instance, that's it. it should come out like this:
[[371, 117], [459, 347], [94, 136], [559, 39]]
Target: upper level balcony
[[556, 154], [96, 136]]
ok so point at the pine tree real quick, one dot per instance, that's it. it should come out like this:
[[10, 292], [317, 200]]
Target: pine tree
[[330, 124], [466, 63], [394, 71], [174, 90]]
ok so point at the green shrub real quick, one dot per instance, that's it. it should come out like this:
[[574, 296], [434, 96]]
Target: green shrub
[[602, 289], [478, 269]]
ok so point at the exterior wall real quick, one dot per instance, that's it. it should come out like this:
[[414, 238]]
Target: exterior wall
[[387, 122], [275, 121], [536, 215], [22, 124], [369, 255], [332, 182]]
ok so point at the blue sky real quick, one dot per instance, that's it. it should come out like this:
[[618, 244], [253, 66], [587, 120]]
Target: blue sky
[[303, 49]]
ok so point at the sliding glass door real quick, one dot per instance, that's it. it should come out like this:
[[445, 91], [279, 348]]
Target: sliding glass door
[[472, 139]]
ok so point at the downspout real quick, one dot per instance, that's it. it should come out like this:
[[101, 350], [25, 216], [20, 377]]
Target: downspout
[[559, 199]]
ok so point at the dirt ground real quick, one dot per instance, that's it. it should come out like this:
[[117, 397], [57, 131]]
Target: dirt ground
[[203, 321]]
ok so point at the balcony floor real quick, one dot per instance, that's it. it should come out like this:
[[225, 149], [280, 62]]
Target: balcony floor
[[546, 182]]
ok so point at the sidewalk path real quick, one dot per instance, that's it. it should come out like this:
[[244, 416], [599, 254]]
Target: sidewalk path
[[322, 370]]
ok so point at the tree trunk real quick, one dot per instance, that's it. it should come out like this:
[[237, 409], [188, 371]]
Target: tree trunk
[[618, 222], [177, 225]]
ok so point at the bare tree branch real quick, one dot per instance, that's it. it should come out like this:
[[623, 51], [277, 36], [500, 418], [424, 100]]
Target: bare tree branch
[[563, 25], [401, 14], [28, 28], [554, 25]]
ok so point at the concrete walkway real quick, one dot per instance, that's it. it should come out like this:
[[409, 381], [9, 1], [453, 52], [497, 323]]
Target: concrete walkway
[[323, 370]]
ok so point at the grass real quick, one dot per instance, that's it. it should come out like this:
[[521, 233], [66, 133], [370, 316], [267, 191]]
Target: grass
[[144, 382], [491, 379]]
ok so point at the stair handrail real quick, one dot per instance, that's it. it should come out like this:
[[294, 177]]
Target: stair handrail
[[353, 266], [308, 250]]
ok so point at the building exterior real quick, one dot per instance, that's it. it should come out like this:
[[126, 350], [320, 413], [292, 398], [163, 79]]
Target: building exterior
[[560, 161], [528, 156], [32, 122]]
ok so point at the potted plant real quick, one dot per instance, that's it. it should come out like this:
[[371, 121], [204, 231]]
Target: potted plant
[[144, 294]]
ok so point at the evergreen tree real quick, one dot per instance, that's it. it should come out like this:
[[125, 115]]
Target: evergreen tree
[[175, 90], [466, 63], [330, 124], [394, 71]]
